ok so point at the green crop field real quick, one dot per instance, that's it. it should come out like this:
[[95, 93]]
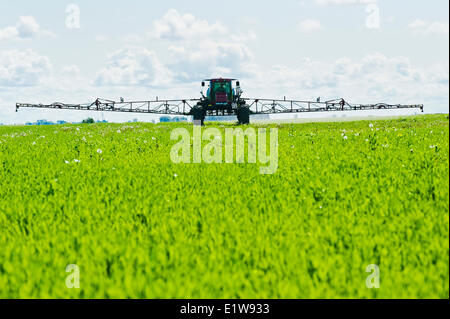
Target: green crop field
[[108, 198]]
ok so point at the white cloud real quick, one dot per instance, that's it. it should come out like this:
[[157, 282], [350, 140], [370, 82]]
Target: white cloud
[[195, 51], [344, 2], [71, 71], [309, 25], [377, 68], [8, 33], [343, 66], [417, 24], [209, 58], [23, 68], [439, 73], [421, 27], [176, 26], [438, 28], [26, 28], [201, 49], [133, 66], [249, 36], [375, 78]]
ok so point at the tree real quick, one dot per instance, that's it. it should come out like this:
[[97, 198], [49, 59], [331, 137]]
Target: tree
[[89, 120]]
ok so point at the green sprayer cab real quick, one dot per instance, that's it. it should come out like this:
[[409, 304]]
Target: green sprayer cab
[[223, 97], [220, 93]]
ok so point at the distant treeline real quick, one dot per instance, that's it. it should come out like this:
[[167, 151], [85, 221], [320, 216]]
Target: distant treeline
[[45, 122]]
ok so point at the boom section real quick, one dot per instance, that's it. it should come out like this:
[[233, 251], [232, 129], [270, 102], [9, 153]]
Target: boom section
[[171, 107], [272, 106]]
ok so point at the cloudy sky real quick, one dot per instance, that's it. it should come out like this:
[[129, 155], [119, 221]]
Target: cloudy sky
[[394, 51]]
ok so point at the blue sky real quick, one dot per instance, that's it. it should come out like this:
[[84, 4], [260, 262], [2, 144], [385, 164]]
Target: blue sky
[[363, 50]]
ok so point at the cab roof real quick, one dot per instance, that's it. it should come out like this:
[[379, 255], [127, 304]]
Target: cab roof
[[220, 80]]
